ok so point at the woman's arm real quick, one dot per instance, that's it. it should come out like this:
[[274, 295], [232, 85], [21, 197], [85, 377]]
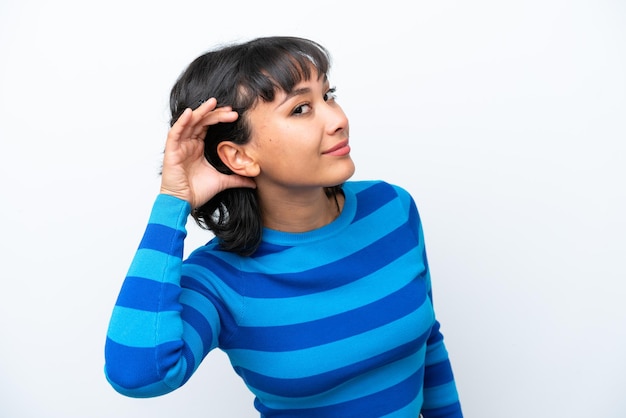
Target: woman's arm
[[441, 399], [145, 346], [150, 348]]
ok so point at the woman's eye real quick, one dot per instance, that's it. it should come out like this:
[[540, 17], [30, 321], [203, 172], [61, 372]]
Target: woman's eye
[[330, 94], [302, 109]]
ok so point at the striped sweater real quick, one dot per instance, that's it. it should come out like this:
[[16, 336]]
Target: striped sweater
[[336, 322]]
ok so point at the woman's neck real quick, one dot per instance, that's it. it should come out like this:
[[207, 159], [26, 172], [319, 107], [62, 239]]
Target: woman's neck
[[299, 212]]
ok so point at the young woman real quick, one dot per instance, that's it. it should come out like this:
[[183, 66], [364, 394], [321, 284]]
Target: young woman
[[316, 287]]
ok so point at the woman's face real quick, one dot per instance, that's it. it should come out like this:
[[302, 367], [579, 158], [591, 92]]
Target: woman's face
[[300, 140]]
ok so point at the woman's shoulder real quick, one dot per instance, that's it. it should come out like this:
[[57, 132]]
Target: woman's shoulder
[[378, 188], [370, 195]]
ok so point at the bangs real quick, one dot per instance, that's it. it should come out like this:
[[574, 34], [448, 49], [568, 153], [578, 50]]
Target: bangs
[[278, 64]]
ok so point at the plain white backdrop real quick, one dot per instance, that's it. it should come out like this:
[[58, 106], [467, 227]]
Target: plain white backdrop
[[505, 120]]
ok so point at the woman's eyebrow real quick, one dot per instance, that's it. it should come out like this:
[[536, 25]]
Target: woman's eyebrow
[[301, 91], [293, 93]]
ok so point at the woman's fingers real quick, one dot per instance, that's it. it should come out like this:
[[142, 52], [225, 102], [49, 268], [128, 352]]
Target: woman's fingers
[[193, 124], [186, 173], [209, 114]]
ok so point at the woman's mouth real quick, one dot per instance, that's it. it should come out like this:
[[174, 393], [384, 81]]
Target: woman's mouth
[[339, 150]]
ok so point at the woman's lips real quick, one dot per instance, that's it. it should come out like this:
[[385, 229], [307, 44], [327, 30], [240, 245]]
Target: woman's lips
[[339, 150]]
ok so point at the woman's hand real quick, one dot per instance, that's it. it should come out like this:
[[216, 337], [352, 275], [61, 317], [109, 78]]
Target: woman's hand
[[186, 172]]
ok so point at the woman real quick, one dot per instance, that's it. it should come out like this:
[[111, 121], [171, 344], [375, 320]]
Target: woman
[[317, 288]]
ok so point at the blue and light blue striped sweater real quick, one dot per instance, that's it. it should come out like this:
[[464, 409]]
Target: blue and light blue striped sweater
[[336, 322]]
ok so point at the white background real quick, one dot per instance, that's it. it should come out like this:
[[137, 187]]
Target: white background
[[505, 120]]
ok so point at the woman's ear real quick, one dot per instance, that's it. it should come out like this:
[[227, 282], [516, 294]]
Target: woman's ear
[[237, 159]]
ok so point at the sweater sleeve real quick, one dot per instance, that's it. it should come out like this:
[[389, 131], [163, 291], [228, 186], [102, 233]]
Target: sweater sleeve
[[441, 399], [150, 347]]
